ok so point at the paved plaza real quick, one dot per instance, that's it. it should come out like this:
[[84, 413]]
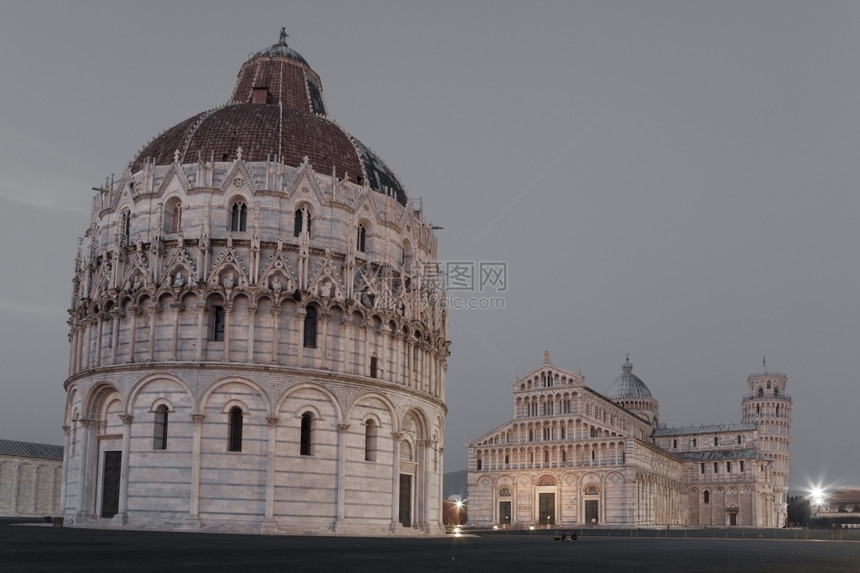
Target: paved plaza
[[36, 547]]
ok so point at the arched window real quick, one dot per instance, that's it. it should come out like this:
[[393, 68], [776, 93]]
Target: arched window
[[374, 367], [675, 444], [159, 439], [760, 392], [707, 496], [370, 441], [310, 327], [298, 224], [360, 239], [305, 437], [739, 439], [176, 223], [239, 216], [768, 384], [758, 409], [124, 228], [776, 391], [234, 440], [218, 318], [173, 216]]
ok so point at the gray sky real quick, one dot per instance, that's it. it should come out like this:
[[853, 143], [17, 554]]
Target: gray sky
[[676, 180]]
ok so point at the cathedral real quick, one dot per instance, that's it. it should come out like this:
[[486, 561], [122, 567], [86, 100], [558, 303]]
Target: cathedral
[[572, 457], [257, 328]]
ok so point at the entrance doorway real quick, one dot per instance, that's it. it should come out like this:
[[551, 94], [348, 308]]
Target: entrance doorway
[[733, 518], [406, 500], [110, 483], [546, 508], [592, 511], [505, 512]]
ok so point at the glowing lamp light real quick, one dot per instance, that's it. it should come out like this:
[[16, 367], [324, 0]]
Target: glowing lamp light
[[816, 496]]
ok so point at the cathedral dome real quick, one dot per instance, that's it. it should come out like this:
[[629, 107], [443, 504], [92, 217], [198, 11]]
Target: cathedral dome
[[628, 385], [276, 112]]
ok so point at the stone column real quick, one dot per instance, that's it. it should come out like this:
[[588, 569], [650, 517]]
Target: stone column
[[345, 347], [300, 347], [99, 330], [364, 363], [276, 330], [228, 314], [396, 356], [342, 430], [116, 315], [194, 516], [121, 518], [67, 443], [201, 315], [177, 307], [73, 347], [252, 319], [269, 525], [382, 337], [423, 474], [322, 360], [410, 374], [153, 310], [132, 334], [83, 467], [395, 479], [88, 329]]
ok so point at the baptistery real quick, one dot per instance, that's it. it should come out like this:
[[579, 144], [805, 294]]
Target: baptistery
[[258, 329]]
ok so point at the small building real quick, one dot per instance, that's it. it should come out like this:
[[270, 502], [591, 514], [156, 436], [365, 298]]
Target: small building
[[31, 477]]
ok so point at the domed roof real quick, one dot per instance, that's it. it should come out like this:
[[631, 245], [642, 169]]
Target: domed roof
[[276, 111], [628, 385]]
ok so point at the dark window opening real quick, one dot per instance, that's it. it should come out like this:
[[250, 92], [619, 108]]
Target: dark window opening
[[707, 496], [310, 339], [239, 217], [159, 441], [298, 224], [360, 239], [305, 438], [218, 321], [235, 437], [374, 370], [370, 441]]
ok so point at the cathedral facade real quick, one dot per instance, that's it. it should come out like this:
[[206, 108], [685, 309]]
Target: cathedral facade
[[572, 457], [258, 334]]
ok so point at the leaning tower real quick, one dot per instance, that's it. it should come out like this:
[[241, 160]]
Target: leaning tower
[[770, 406]]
